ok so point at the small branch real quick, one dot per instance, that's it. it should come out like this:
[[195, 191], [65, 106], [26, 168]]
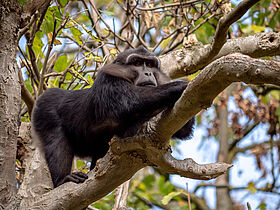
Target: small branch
[[40, 89], [121, 196], [25, 94], [83, 46], [32, 56], [187, 60], [167, 5], [263, 189], [188, 167], [265, 145], [224, 24], [44, 70], [245, 132]]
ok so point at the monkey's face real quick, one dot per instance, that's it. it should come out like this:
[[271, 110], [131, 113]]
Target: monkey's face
[[139, 67], [144, 70]]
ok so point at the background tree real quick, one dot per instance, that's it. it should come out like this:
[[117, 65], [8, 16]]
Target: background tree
[[63, 43]]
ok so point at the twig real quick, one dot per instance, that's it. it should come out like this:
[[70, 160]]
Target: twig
[[189, 197], [168, 5], [25, 94]]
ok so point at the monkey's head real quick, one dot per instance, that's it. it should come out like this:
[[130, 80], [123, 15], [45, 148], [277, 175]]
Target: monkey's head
[[138, 66]]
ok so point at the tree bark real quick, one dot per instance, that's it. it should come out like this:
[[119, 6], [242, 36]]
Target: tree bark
[[223, 199], [9, 101]]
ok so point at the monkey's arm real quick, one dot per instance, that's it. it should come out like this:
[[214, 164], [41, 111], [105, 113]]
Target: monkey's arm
[[153, 100]]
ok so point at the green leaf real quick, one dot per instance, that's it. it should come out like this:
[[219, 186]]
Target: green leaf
[[37, 43], [165, 187], [76, 33], [277, 112], [94, 57], [251, 187], [80, 164], [61, 63], [108, 13], [275, 94], [27, 83], [90, 81], [258, 29], [22, 2], [265, 99], [171, 195], [63, 2], [262, 206], [149, 180]]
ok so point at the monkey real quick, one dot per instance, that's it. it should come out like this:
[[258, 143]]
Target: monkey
[[125, 94]]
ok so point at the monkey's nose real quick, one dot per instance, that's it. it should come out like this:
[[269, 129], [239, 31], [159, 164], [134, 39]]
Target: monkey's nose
[[148, 74]]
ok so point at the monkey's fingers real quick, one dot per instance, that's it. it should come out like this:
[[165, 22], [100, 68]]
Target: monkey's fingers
[[76, 177]]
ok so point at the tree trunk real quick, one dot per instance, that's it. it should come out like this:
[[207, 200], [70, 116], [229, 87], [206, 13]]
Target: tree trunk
[[223, 194], [10, 101]]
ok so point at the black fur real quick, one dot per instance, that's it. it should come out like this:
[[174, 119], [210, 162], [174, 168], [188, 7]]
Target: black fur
[[82, 122]]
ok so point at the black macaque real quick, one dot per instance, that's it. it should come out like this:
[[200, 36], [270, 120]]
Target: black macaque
[[125, 94]]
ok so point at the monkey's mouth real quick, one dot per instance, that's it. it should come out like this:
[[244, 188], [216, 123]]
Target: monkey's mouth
[[147, 84]]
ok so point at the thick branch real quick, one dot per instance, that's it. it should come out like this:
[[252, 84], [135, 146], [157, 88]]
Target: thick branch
[[121, 162], [187, 60], [110, 172], [211, 81], [25, 94]]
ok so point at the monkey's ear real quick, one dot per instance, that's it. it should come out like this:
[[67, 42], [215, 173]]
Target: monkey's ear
[[120, 71]]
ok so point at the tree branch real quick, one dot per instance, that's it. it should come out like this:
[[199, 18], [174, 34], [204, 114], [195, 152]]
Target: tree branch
[[223, 26], [188, 167], [185, 61], [210, 82], [25, 94]]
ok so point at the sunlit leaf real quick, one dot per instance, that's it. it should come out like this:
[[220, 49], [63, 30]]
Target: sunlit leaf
[[262, 206], [90, 81], [251, 187], [258, 29], [76, 33], [80, 164], [63, 3], [94, 57], [113, 51], [61, 63], [265, 99], [38, 44], [275, 94], [171, 195]]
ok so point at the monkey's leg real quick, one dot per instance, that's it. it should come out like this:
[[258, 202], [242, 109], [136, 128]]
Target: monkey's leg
[[59, 157]]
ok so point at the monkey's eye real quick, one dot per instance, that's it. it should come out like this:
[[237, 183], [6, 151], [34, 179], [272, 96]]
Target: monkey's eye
[[150, 64], [137, 63]]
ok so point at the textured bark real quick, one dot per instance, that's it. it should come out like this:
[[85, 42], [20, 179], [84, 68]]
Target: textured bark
[[37, 179], [9, 101]]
